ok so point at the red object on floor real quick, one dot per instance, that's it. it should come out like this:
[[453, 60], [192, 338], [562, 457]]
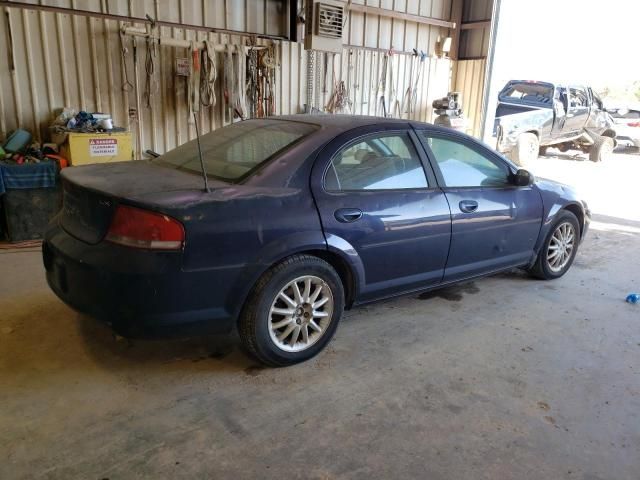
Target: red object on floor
[[59, 158]]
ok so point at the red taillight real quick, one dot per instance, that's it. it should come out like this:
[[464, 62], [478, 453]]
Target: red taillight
[[135, 227], [633, 124]]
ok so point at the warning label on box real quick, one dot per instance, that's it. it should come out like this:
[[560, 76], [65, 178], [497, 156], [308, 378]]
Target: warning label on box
[[103, 147]]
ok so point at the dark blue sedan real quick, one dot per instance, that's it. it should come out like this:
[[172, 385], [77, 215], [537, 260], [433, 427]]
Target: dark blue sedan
[[305, 216]]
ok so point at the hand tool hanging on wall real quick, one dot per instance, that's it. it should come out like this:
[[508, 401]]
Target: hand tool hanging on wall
[[228, 74], [325, 71], [406, 99], [266, 82], [261, 88], [10, 52], [252, 84], [149, 68], [136, 88], [127, 86], [194, 82], [260, 95], [414, 98], [234, 83], [381, 104], [411, 96], [208, 76], [394, 103], [349, 69], [356, 83], [240, 85], [339, 99], [270, 64]]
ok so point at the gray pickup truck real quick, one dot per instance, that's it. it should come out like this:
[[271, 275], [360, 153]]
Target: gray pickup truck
[[532, 116]]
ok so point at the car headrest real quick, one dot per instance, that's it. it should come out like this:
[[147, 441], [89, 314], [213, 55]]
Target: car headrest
[[361, 153]]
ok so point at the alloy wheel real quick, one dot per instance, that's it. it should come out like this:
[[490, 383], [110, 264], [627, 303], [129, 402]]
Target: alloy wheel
[[300, 314], [561, 247]]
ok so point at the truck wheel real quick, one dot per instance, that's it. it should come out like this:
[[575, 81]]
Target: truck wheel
[[601, 149], [526, 149]]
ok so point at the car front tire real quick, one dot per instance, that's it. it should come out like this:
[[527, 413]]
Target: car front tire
[[559, 248], [292, 312]]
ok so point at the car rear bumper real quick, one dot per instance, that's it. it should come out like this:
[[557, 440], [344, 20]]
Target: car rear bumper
[[138, 293]]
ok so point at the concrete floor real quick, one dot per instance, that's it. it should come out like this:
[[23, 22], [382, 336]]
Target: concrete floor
[[503, 378]]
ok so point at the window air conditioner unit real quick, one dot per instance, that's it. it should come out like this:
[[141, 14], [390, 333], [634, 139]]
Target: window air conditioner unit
[[324, 24]]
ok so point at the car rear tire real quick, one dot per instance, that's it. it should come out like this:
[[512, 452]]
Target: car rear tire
[[292, 312], [601, 149], [559, 248], [526, 149]]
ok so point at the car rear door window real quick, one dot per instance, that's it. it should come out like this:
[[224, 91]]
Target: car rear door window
[[462, 166], [377, 162]]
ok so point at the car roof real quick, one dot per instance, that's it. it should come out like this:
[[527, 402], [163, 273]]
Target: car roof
[[332, 124], [341, 121]]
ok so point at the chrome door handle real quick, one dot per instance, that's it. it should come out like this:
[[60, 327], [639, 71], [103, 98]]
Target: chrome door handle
[[348, 215], [468, 206]]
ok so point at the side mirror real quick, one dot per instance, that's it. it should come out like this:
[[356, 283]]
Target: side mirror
[[522, 178]]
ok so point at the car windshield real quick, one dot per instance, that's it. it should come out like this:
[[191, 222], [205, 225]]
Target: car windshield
[[528, 92], [233, 152]]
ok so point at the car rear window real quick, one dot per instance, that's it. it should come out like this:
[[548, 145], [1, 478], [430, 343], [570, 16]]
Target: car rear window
[[527, 92], [234, 152]]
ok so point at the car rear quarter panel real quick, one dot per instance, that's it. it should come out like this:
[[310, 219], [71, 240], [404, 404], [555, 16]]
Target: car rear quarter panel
[[238, 232]]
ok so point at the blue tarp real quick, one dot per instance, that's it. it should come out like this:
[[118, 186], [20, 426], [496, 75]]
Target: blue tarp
[[28, 175]]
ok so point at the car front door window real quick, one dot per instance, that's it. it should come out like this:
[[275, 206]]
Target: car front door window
[[462, 166]]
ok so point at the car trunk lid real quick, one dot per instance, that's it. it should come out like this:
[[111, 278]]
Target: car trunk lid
[[91, 193]]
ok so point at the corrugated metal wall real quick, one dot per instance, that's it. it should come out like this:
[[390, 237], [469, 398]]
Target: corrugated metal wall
[[474, 43], [62, 59], [377, 32], [469, 70], [267, 17], [470, 82]]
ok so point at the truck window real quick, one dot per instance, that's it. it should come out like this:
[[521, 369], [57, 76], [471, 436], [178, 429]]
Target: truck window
[[579, 97], [527, 92]]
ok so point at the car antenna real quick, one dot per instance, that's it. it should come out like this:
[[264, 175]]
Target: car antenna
[[204, 172]]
